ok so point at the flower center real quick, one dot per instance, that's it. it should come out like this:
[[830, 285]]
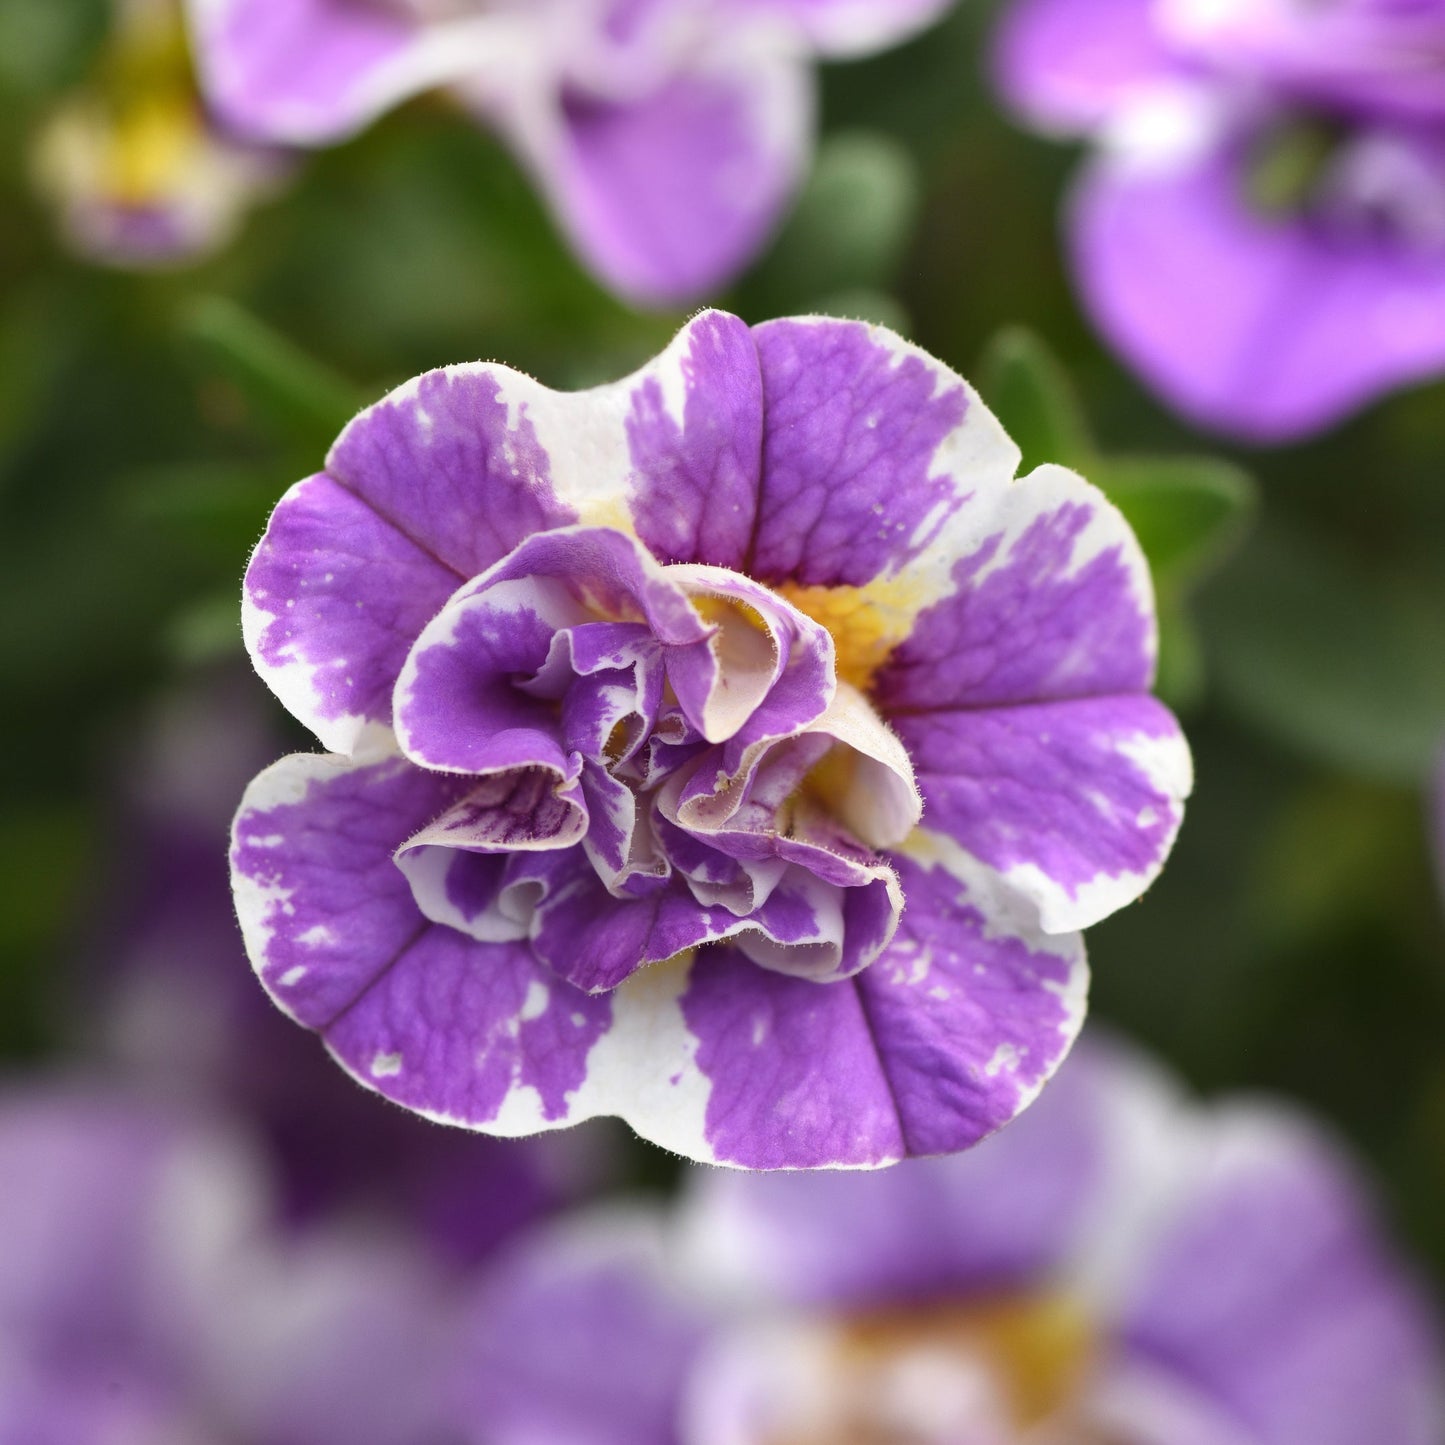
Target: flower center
[[665, 749], [140, 125], [1356, 186], [866, 623], [948, 1374]]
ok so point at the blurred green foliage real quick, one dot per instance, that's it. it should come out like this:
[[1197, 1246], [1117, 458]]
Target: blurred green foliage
[[148, 423]]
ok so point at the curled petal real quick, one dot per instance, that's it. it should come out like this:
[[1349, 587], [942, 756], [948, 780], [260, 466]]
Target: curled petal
[[456, 708], [478, 894], [519, 809], [774, 665]]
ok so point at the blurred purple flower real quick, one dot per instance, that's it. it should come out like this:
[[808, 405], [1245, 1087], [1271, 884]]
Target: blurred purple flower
[[140, 175], [666, 135], [167, 1003], [1115, 1267], [636, 696], [1261, 232], [145, 1295]]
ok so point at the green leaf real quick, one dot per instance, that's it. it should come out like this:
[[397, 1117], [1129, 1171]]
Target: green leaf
[[308, 400], [46, 44], [850, 226], [205, 631], [1030, 393], [218, 507], [1342, 663], [1188, 512], [1180, 680], [876, 306]]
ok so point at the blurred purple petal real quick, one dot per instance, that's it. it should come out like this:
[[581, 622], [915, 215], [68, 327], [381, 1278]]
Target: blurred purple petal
[[1297, 323]]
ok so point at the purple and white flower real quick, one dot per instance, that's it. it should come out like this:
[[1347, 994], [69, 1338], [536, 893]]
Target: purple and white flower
[[1261, 232], [146, 1295], [139, 174], [666, 135], [737, 748], [1119, 1266]]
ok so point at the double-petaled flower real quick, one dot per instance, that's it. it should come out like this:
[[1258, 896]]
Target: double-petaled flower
[[737, 748], [1262, 231], [666, 135]]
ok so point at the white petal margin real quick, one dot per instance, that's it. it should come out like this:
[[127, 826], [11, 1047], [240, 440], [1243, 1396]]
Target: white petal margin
[[642, 1070]]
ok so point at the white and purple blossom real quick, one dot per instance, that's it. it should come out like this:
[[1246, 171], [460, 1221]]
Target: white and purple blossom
[[147, 1295], [666, 135], [737, 748], [141, 177], [1261, 232], [1119, 1267]]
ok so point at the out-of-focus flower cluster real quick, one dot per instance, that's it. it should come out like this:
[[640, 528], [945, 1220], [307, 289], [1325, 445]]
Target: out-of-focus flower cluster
[[1261, 231], [1115, 1267]]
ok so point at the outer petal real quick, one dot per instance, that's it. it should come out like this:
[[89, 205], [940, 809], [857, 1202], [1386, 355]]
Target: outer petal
[[1020, 700], [310, 71], [432, 1018], [870, 448], [423, 490], [943, 1040], [580, 1336], [717, 1058], [1049, 598], [445, 476], [695, 440], [1295, 329], [1269, 1292], [843, 28], [1075, 804], [670, 195], [470, 1033], [1067, 65]]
